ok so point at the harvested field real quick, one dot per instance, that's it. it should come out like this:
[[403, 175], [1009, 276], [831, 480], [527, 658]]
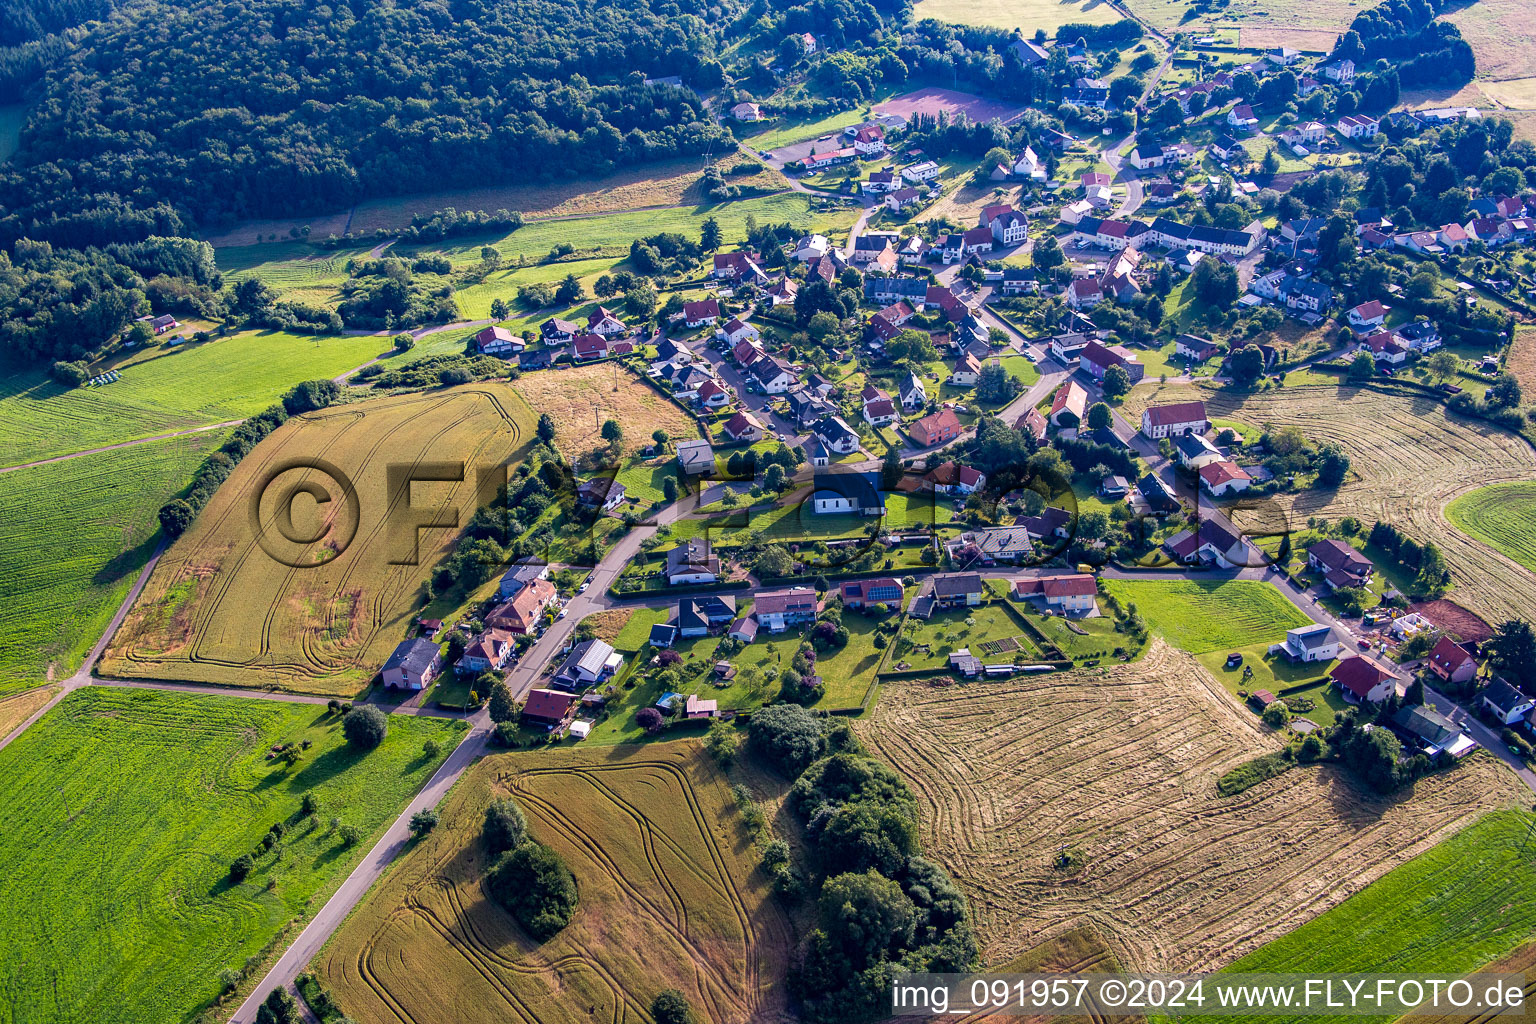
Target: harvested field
[[1521, 360], [1264, 37], [1025, 15], [933, 101], [19, 707], [1521, 961], [1119, 765], [669, 898], [1502, 35], [234, 605], [581, 398], [1293, 21], [1408, 460]]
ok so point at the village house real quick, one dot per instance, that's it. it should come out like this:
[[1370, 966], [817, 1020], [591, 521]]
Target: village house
[[1160, 421], [937, 428], [1362, 679], [743, 428], [836, 435], [990, 547], [1070, 406], [600, 492], [1451, 662], [777, 610], [921, 173], [548, 709], [521, 612], [881, 182], [1367, 315], [738, 266], [520, 576], [1341, 71], [412, 665], [1195, 348], [1212, 542], [911, 393], [967, 371], [1223, 478], [879, 410], [1315, 642], [488, 652], [1194, 452], [590, 661], [701, 312], [692, 561], [697, 616], [602, 322], [555, 331], [497, 341], [589, 346], [1357, 126], [1084, 293], [1010, 228], [902, 198], [695, 457], [956, 590], [1506, 702], [1242, 118], [869, 140], [1097, 358], [847, 493], [1072, 594], [952, 478], [867, 593], [747, 111], [1340, 564], [773, 375]]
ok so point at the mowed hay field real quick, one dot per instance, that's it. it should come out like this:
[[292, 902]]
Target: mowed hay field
[[75, 535], [1522, 357], [670, 898], [1269, 16], [1408, 458], [1025, 15], [1199, 617], [1502, 516], [125, 808], [1450, 910], [18, 707], [220, 608], [1120, 765], [581, 398], [1502, 35]]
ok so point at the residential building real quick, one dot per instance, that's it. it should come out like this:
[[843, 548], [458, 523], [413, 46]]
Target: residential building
[[911, 393], [1341, 71], [1097, 358], [1451, 662], [1213, 542], [1001, 544], [590, 661], [953, 478], [1223, 478], [811, 248], [497, 341], [1434, 731], [967, 371], [600, 492], [1070, 406], [1368, 315], [1242, 118], [521, 612], [1506, 702], [865, 593], [602, 322], [697, 615], [1194, 451], [869, 140], [938, 428], [1340, 564], [1160, 421], [777, 610], [847, 493], [920, 173], [956, 590], [412, 665], [590, 346], [488, 652], [1357, 126], [1073, 594], [1011, 228], [548, 709], [747, 112], [520, 576], [695, 457], [692, 561], [1195, 348], [835, 433], [1361, 679], [743, 428], [1084, 293], [701, 312], [1052, 522], [556, 331], [1308, 643]]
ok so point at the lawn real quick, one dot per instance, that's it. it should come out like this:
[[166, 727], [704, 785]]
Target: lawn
[[127, 807], [75, 534], [1026, 15], [1502, 516], [927, 644], [786, 133], [1274, 673], [164, 389], [1447, 912], [1200, 617]]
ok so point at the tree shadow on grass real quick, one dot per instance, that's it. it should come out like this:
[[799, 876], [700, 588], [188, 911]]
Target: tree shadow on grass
[[326, 767], [126, 563]]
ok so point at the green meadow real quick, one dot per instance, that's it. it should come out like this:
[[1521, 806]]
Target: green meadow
[[1503, 516], [125, 809], [1200, 617], [75, 534]]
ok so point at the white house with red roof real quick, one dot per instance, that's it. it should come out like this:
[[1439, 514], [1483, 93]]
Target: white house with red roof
[[1362, 679], [1071, 398], [1160, 421], [1368, 314], [602, 321], [1084, 293], [1451, 662], [1242, 117], [496, 341], [869, 140], [701, 312], [1223, 478], [1073, 593], [879, 410], [590, 346]]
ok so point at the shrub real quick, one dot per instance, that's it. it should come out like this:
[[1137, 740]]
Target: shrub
[[670, 1007], [788, 736], [648, 719], [350, 835], [366, 727], [505, 827], [423, 822], [535, 887], [505, 734], [240, 868]]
